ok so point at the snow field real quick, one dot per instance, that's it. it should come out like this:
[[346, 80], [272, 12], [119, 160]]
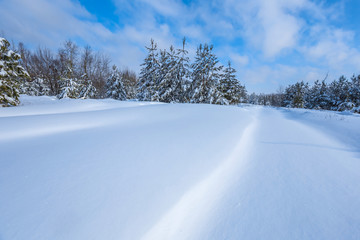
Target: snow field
[[103, 169]]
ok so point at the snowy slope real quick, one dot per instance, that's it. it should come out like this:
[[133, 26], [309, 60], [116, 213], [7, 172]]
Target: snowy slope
[[103, 169]]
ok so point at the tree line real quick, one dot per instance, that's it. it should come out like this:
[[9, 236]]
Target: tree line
[[167, 75], [339, 95], [71, 72]]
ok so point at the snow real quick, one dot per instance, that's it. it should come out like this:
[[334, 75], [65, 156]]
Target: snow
[[3, 73], [105, 169], [10, 53], [2, 40], [344, 126]]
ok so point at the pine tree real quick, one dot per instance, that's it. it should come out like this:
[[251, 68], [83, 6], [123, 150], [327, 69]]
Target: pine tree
[[42, 87], [355, 92], [295, 95], [69, 88], [301, 90], [253, 99], [318, 96], [339, 93], [86, 88], [29, 88], [149, 74], [230, 87], [114, 86], [11, 73], [37, 87], [130, 83], [169, 86], [205, 77], [183, 72], [161, 82], [69, 84], [173, 74]]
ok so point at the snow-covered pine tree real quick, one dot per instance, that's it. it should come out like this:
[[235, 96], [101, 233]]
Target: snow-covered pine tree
[[148, 74], [114, 85], [230, 87], [322, 96], [160, 73], [205, 77], [173, 73], [69, 84], [183, 72], [69, 87], [28, 88], [318, 96], [86, 88], [339, 93], [169, 86], [42, 87], [288, 96], [301, 90], [130, 83], [11, 73], [37, 87], [295, 95], [344, 98], [355, 92], [253, 99]]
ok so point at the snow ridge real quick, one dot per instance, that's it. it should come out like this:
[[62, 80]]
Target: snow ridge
[[195, 207]]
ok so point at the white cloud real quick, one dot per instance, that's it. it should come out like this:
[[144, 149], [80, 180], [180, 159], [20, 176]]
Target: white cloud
[[165, 7], [280, 28], [333, 48], [267, 29], [268, 25], [239, 60], [49, 23], [194, 31]]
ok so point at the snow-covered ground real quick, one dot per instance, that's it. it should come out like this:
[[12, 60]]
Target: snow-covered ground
[[103, 169]]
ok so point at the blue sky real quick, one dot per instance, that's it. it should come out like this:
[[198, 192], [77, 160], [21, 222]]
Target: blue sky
[[271, 43]]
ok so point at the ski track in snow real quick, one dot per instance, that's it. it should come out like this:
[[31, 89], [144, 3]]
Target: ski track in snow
[[292, 184], [299, 184], [190, 213], [109, 170]]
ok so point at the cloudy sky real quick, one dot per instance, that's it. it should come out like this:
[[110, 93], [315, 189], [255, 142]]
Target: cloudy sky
[[271, 43]]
